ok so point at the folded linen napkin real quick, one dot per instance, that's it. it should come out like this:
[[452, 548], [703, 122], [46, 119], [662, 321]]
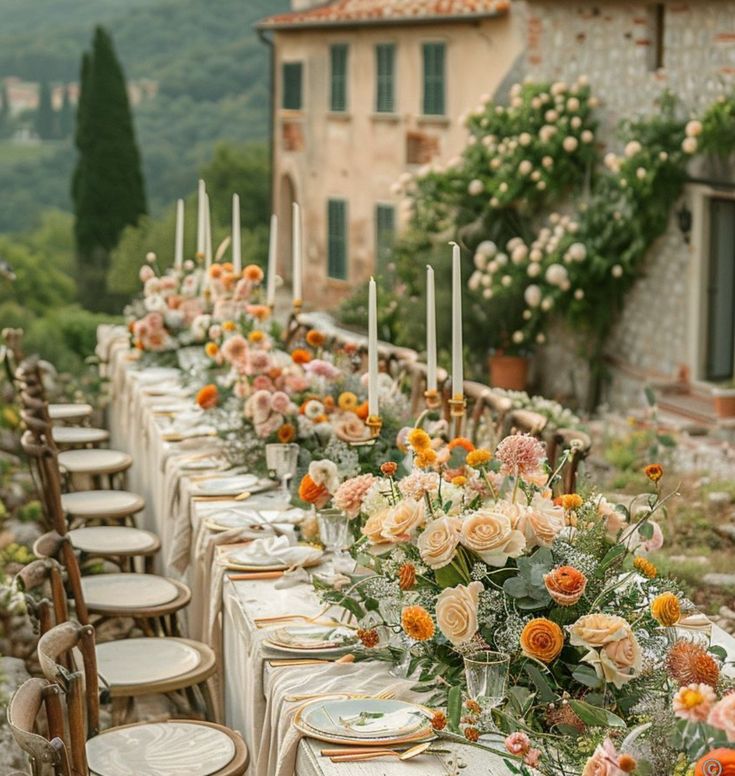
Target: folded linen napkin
[[272, 550]]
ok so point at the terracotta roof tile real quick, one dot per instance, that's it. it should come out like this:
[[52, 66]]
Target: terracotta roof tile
[[346, 12]]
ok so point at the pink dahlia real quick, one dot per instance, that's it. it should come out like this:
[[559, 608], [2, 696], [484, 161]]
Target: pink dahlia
[[349, 495], [520, 454], [235, 349]]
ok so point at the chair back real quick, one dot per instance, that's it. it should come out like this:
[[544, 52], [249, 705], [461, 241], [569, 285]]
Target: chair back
[[39, 579], [44, 463], [58, 547], [32, 697], [575, 446], [525, 422], [487, 412]]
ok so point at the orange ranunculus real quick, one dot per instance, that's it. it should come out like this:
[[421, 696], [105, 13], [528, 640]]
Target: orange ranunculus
[[666, 609], [256, 336], [211, 349], [286, 433], [311, 492], [215, 270], [362, 411], [208, 396], [565, 585], [654, 471], [253, 273], [328, 403], [229, 326], [315, 338], [300, 356], [425, 459], [462, 442], [718, 762], [478, 457], [389, 468], [417, 623], [542, 639]]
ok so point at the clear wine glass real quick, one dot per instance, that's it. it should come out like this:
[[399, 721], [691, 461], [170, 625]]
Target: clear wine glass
[[334, 530], [281, 461], [487, 677]]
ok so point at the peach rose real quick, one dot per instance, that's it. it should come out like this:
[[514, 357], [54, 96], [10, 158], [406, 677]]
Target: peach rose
[[614, 651], [541, 522], [604, 761], [439, 541], [490, 535], [402, 520], [614, 519], [373, 527], [456, 612], [722, 716], [349, 428]]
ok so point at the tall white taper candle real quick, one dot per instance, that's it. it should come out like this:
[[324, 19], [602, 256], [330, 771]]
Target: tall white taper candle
[[207, 233], [270, 293], [430, 331], [297, 257], [236, 251], [457, 367], [179, 241], [201, 223], [373, 404]]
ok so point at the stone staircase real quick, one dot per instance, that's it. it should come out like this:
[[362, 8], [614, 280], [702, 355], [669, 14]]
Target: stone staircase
[[691, 405]]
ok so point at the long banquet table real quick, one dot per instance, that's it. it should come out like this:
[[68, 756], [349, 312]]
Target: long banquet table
[[250, 691]]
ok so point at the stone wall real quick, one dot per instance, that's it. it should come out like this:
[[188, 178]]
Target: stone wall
[[610, 42]]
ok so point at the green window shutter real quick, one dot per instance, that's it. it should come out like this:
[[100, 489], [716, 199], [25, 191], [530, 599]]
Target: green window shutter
[[385, 228], [338, 91], [434, 87], [337, 239], [385, 55], [292, 75]]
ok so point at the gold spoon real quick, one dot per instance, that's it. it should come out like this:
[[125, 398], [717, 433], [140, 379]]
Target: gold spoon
[[414, 751]]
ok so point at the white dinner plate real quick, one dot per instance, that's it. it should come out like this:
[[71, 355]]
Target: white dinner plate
[[228, 486], [306, 640]]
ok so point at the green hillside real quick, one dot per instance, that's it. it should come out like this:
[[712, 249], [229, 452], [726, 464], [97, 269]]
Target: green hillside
[[211, 69]]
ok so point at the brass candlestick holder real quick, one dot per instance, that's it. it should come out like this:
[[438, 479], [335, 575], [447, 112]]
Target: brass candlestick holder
[[298, 305], [374, 423], [457, 407], [433, 399]]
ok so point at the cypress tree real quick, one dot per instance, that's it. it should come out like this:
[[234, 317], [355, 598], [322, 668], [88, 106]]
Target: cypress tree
[[107, 187], [66, 116], [4, 111], [45, 113]]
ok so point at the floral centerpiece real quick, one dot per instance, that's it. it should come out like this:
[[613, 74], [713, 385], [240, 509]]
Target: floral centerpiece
[[472, 550]]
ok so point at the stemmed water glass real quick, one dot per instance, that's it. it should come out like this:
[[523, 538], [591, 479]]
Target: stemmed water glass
[[486, 673], [281, 461]]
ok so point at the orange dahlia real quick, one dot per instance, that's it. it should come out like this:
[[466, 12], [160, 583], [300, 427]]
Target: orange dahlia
[[569, 501], [207, 397], [666, 609], [256, 336], [300, 356], [211, 349], [286, 433], [462, 442], [690, 663], [425, 459], [215, 270], [419, 439], [253, 273], [417, 623], [315, 338], [439, 720], [229, 326], [471, 733], [542, 639]]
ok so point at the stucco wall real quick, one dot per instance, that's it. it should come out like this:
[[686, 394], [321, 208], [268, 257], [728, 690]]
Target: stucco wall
[[359, 155]]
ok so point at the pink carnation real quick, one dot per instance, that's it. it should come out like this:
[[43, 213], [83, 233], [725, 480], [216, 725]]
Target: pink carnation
[[320, 368], [349, 495], [518, 743], [694, 702], [520, 454]]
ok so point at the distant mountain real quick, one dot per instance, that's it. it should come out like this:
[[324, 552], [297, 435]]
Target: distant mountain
[[211, 70]]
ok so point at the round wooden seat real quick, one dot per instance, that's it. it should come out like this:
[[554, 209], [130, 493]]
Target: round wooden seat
[[66, 412], [101, 503], [182, 747], [114, 540], [95, 461], [70, 436], [142, 595], [147, 665]]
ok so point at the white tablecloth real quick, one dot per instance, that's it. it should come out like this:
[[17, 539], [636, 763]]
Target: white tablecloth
[[222, 612]]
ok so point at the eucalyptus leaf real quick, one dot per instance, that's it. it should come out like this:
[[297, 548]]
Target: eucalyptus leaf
[[454, 708], [545, 691], [595, 715]]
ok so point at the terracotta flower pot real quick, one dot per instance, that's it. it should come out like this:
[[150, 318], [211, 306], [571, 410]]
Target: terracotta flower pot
[[725, 404], [509, 372]]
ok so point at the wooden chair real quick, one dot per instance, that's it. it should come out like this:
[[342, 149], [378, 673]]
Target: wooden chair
[[525, 422], [142, 748], [575, 445], [130, 668], [487, 412], [45, 752], [120, 544]]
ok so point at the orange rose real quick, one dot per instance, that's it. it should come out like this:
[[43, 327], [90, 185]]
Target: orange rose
[[362, 411], [207, 397], [315, 338], [312, 493], [253, 273], [300, 356], [542, 639], [565, 585], [718, 761], [286, 433]]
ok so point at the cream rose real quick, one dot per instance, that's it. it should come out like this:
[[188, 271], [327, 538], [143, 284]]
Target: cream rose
[[456, 612], [541, 522], [402, 520], [439, 541], [491, 536], [373, 527], [614, 651], [349, 428]]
